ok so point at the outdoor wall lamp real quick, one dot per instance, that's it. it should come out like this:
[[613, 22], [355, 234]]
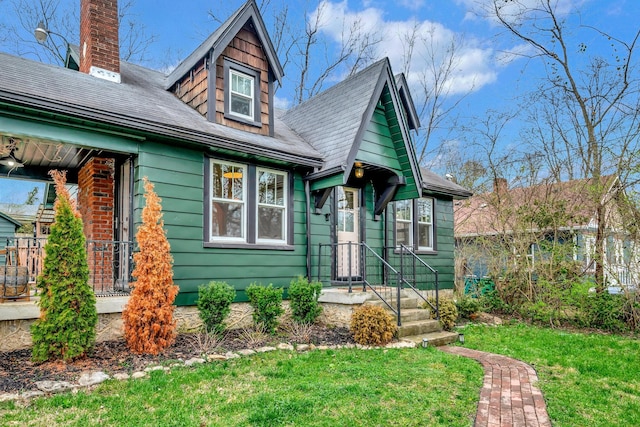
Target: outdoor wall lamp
[[359, 172]]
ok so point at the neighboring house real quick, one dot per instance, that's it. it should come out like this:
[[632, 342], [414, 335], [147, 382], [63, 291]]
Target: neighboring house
[[8, 225], [517, 227], [328, 189]]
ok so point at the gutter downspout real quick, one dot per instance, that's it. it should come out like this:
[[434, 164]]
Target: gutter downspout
[[307, 195]]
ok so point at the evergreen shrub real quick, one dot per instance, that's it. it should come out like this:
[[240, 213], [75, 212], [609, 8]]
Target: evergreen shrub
[[372, 325], [303, 299], [267, 305], [214, 305], [66, 328]]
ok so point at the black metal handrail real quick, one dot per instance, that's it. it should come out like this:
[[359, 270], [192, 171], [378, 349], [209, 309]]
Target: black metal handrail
[[352, 263], [413, 279]]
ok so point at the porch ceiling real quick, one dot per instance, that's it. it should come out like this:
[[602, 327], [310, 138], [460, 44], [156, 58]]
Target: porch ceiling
[[38, 156]]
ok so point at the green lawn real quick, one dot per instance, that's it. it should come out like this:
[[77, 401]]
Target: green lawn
[[349, 387], [587, 379]]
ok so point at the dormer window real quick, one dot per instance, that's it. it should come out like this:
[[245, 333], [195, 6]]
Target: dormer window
[[242, 93]]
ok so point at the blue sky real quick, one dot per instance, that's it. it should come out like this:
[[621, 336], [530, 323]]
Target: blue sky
[[488, 73]]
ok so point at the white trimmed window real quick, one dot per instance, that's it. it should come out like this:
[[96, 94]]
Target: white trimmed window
[[414, 224], [228, 197], [248, 205], [404, 224], [272, 206], [241, 101], [425, 224]]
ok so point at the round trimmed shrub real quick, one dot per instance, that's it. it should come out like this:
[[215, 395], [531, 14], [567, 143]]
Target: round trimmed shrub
[[372, 325], [214, 305]]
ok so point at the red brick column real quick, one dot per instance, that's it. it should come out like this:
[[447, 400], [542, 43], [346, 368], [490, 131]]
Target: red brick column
[[96, 204]]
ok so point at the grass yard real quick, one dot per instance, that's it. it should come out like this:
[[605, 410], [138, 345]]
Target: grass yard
[[587, 379], [349, 387]]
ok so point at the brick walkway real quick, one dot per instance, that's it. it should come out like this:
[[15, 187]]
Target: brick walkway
[[508, 396]]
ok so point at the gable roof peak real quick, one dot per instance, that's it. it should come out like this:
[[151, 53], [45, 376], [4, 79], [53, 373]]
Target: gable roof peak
[[221, 37]]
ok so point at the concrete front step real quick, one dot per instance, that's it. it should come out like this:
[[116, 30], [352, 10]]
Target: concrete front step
[[413, 314], [418, 327], [405, 302], [436, 339]]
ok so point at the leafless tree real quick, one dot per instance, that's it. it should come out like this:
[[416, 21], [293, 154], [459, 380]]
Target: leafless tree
[[587, 104], [61, 18]]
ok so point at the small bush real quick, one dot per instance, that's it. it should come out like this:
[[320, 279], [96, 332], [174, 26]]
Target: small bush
[[448, 312], [467, 307], [214, 305], [372, 325], [303, 299], [267, 305], [605, 311]]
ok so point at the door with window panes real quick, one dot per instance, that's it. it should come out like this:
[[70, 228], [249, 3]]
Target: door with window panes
[[348, 226]]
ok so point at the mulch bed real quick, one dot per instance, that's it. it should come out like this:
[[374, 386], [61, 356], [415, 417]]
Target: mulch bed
[[19, 373]]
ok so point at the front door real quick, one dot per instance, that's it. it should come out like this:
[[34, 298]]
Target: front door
[[348, 226]]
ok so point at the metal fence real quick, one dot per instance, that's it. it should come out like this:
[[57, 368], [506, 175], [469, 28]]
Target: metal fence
[[22, 261]]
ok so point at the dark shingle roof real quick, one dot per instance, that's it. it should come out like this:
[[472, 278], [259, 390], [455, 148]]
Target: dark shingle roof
[[433, 183], [140, 103], [331, 120]]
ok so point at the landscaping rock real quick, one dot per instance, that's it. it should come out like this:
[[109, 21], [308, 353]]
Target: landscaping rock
[[31, 393], [216, 357], [302, 347], [92, 378], [246, 352], [156, 368], [231, 355], [121, 376], [194, 360], [285, 346], [265, 349], [54, 386], [4, 397], [138, 374], [401, 344]]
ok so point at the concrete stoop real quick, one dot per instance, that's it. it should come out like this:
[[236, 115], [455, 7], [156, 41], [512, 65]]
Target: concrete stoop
[[417, 324]]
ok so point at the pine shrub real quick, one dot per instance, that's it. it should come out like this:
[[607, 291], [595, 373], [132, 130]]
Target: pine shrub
[[267, 305], [448, 312], [467, 306], [303, 299], [149, 326], [372, 325], [214, 305], [66, 327]]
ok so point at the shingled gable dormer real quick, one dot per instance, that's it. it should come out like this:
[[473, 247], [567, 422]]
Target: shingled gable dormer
[[245, 70]]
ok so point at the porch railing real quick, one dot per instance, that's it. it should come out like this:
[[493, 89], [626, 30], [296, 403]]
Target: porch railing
[[417, 276], [22, 260], [357, 264]]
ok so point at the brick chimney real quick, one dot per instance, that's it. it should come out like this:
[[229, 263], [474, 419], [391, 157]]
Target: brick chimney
[[99, 49], [500, 185]]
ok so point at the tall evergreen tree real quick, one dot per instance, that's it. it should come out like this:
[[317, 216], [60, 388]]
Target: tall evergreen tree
[[149, 326], [67, 325]]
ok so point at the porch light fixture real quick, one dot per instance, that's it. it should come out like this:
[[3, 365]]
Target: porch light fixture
[[461, 338], [359, 172], [11, 161]]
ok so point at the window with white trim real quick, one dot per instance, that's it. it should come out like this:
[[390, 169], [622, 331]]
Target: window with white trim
[[241, 99], [424, 218], [272, 205], [414, 224], [404, 223], [228, 196], [248, 205]]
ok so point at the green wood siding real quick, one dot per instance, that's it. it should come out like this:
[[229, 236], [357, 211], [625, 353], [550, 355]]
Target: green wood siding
[[442, 259], [383, 145], [178, 176], [7, 229]]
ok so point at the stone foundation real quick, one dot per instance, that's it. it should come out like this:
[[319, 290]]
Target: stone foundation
[[16, 318]]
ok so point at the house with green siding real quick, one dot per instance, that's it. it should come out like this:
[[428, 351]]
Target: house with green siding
[[330, 189]]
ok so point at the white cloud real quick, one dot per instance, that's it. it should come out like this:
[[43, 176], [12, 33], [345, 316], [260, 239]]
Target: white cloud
[[281, 103], [475, 65], [411, 4]]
